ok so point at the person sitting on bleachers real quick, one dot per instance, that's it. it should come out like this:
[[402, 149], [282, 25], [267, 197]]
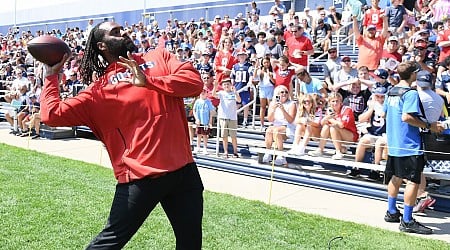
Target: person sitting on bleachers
[[345, 75], [374, 115], [32, 121], [307, 121], [322, 35], [339, 124], [354, 96], [309, 84], [282, 111], [331, 67]]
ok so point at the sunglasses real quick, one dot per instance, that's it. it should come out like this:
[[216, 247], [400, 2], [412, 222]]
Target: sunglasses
[[206, 78], [306, 102], [346, 61], [332, 52], [283, 92]]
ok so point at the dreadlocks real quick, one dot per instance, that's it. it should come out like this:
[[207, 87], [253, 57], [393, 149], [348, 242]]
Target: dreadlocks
[[92, 59]]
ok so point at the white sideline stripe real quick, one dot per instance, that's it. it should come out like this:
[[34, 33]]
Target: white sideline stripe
[[345, 163]]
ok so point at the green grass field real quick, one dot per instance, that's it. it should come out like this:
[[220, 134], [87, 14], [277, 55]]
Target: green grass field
[[50, 202]]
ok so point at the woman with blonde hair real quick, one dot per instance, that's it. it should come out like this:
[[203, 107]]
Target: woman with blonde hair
[[307, 120], [282, 111], [339, 124]]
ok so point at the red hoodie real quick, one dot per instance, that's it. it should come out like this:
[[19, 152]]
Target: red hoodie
[[144, 129]]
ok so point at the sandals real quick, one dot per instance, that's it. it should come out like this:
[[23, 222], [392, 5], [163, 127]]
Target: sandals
[[235, 155], [225, 156]]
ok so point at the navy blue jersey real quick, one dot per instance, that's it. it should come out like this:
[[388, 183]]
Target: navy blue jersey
[[205, 68], [377, 121], [240, 73]]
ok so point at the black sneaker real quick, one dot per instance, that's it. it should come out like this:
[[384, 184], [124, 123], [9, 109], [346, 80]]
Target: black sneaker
[[374, 175], [414, 227], [354, 172], [36, 136], [393, 217]]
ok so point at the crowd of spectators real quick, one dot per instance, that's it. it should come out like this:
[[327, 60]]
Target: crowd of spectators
[[268, 50]]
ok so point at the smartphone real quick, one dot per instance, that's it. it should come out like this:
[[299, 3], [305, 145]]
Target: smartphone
[[277, 98]]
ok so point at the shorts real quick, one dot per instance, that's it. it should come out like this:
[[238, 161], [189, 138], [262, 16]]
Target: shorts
[[404, 167], [245, 97], [190, 119], [266, 92], [227, 127], [203, 130]]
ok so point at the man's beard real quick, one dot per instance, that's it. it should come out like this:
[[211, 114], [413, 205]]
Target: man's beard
[[121, 47]]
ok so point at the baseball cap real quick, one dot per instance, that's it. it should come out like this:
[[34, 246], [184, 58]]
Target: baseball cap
[[371, 27], [424, 79], [393, 38], [343, 58], [380, 90], [242, 52], [420, 43], [248, 39], [217, 17], [381, 73], [33, 96], [206, 52], [332, 49]]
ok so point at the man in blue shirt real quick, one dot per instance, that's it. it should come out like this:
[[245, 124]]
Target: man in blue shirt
[[405, 156]]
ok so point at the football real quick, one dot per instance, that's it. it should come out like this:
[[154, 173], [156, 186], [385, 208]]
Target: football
[[48, 49]]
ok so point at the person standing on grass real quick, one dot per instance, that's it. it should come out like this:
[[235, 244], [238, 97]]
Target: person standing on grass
[[135, 107], [405, 152]]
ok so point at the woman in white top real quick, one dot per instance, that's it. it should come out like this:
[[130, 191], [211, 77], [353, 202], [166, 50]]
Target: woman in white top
[[266, 87], [282, 111]]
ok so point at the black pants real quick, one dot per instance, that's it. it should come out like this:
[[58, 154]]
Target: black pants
[[181, 196]]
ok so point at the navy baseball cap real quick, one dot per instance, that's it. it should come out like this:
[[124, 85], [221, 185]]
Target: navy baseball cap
[[424, 79], [381, 73]]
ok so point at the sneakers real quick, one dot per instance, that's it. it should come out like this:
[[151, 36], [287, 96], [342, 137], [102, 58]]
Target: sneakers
[[354, 172], [244, 124], [205, 151], [315, 153], [393, 217], [262, 129], [297, 150], [337, 156], [374, 175], [267, 158], [280, 161], [196, 150], [423, 203], [414, 227], [36, 136]]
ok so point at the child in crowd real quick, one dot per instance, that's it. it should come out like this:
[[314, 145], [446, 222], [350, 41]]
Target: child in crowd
[[227, 114], [376, 132], [203, 112], [308, 118], [240, 79]]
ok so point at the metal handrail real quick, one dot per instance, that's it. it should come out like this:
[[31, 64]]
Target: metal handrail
[[336, 35]]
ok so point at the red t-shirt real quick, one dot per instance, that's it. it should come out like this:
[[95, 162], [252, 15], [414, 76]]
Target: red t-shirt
[[301, 43], [283, 77], [395, 55], [370, 51], [348, 120], [445, 51]]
